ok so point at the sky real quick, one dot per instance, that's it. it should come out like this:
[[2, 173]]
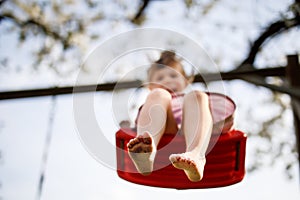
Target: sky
[[74, 173]]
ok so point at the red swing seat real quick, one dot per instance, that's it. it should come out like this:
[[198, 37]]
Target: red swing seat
[[225, 162]]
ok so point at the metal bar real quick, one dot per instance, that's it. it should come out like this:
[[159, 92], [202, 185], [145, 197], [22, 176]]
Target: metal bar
[[237, 74], [209, 77], [68, 90]]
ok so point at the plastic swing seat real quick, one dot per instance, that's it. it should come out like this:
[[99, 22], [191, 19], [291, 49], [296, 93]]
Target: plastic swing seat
[[225, 162]]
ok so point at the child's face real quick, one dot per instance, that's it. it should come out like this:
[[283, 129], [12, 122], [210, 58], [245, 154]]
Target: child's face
[[168, 78]]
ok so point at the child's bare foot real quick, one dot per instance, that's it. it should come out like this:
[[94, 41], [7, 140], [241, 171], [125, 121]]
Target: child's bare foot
[[142, 153], [192, 166]]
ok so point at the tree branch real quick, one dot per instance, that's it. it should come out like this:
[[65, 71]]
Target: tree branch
[[271, 31], [32, 22], [144, 4]]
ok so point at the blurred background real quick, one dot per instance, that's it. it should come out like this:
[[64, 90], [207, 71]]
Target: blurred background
[[44, 43]]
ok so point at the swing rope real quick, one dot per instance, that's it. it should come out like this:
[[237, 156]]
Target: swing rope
[[46, 150]]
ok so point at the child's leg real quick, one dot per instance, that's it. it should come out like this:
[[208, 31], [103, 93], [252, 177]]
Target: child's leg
[[155, 118], [197, 127]]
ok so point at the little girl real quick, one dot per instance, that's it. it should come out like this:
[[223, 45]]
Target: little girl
[[166, 110]]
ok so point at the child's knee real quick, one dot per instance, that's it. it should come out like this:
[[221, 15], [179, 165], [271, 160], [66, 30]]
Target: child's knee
[[159, 93], [196, 96]]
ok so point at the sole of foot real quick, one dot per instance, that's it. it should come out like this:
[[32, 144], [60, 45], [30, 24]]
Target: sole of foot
[[142, 152], [193, 168]]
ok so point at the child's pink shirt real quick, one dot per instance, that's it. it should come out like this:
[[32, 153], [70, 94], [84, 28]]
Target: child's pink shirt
[[222, 109]]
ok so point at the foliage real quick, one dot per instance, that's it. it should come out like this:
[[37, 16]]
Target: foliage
[[56, 34]]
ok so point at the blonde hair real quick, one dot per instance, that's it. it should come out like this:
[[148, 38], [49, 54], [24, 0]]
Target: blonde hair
[[168, 59]]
